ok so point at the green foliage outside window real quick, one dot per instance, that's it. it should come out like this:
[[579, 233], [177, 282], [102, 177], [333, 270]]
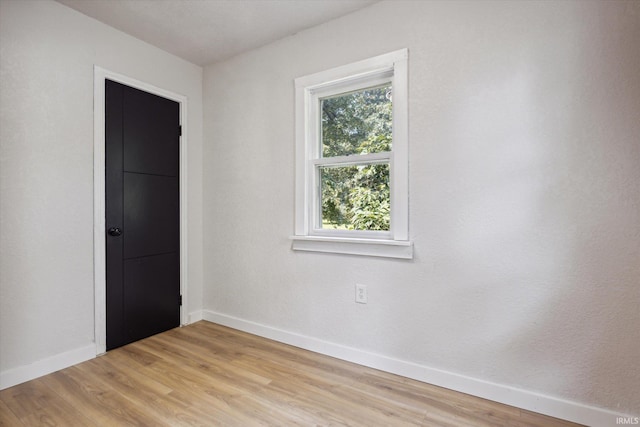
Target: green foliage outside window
[[356, 197]]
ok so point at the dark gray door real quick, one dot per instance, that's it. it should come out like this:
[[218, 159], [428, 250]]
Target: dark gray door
[[142, 133]]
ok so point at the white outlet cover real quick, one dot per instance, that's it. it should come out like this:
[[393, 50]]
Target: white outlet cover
[[361, 294]]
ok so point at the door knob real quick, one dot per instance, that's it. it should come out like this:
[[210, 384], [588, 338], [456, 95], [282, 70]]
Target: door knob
[[115, 231]]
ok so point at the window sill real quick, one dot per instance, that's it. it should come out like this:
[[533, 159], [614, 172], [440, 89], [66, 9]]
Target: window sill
[[342, 245]]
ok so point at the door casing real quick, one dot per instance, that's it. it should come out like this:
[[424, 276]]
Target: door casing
[[99, 206]]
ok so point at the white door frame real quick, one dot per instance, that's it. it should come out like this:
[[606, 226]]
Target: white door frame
[[99, 239]]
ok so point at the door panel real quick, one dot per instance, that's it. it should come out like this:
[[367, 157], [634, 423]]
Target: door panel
[[142, 214], [150, 132], [114, 209], [151, 215], [151, 304]]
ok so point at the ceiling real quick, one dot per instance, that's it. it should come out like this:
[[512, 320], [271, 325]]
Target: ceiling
[[207, 31]]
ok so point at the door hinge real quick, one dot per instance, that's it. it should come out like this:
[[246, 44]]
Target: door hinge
[[180, 299], [179, 130]]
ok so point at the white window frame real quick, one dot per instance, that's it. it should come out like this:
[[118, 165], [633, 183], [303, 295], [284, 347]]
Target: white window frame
[[309, 236]]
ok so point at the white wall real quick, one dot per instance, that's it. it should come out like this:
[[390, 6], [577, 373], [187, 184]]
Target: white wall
[[524, 198], [46, 174]]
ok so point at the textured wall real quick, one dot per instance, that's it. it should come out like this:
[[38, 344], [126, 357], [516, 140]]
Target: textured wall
[[46, 170], [524, 195]]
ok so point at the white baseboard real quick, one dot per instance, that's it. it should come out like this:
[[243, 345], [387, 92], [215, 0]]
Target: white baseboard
[[194, 316], [46, 366], [536, 402]]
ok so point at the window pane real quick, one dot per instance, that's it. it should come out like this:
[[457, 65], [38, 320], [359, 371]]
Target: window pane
[[357, 122], [355, 197]]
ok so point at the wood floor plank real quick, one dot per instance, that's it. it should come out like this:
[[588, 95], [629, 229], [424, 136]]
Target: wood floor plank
[[404, 391], [25, 398], [7, 417], [141, 390], [209, 375], [202, 391], [34, 403], [102, 405], [200, 357]]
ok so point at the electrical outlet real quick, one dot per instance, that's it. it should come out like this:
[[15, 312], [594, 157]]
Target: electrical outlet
[[361, 293]]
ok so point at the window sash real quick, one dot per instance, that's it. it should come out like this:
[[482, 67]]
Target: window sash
[[315, 189]]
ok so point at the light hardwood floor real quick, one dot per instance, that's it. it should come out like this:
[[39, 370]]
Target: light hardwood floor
[[208, 375]]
